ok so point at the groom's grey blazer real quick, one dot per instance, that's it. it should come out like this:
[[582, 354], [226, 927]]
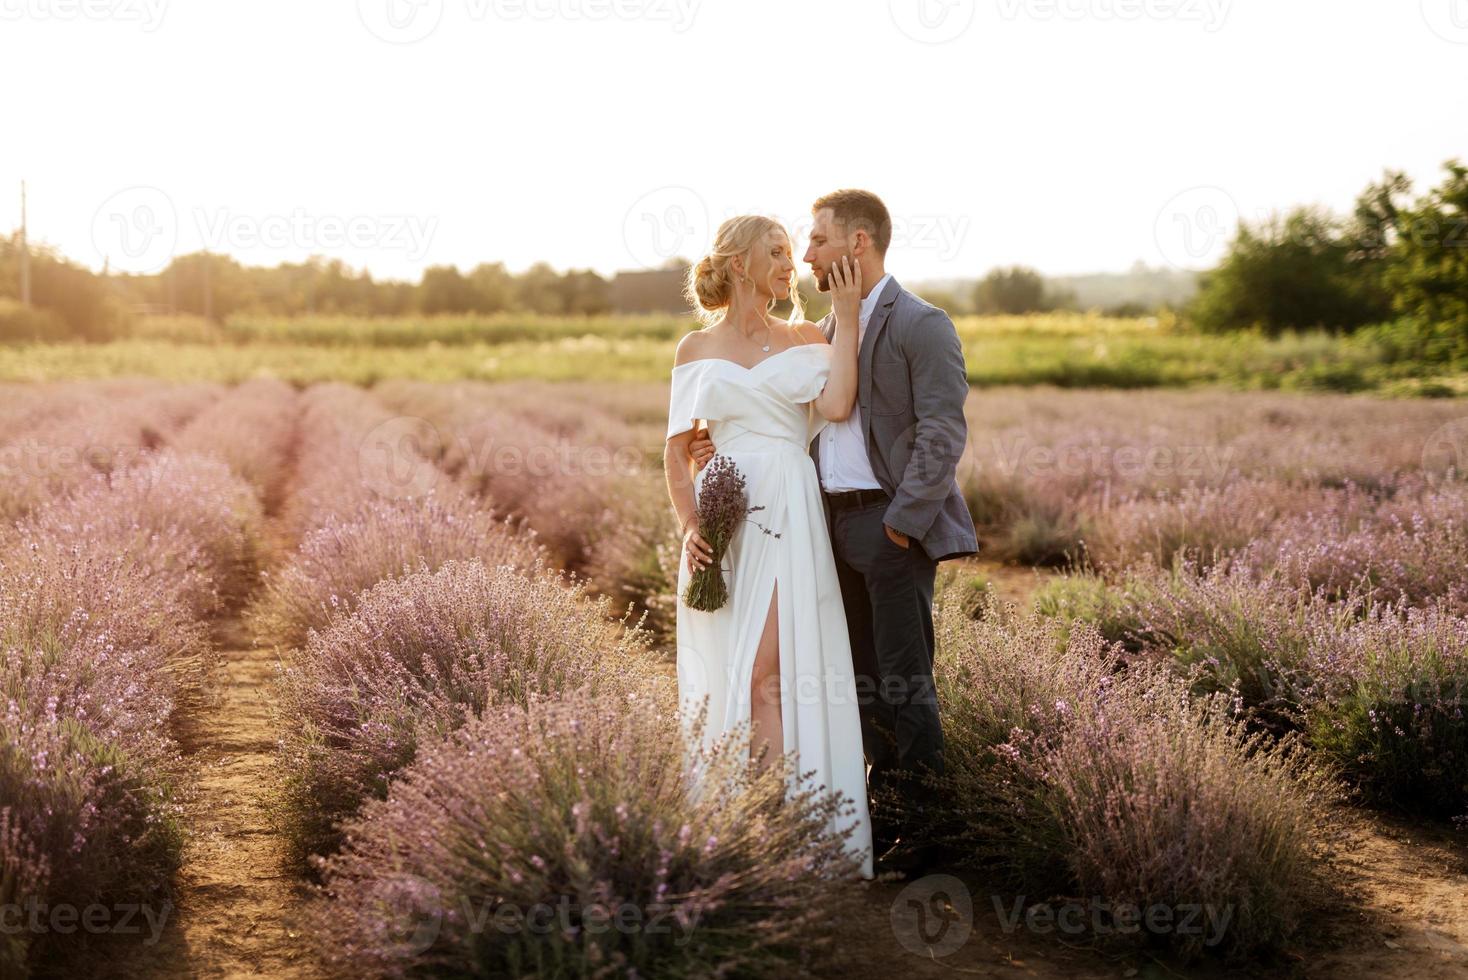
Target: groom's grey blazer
[[913, 383]]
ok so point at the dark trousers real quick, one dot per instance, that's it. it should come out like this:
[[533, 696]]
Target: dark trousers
[[888, 594]]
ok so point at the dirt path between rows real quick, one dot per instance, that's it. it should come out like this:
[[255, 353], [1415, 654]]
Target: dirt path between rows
[[237, 904], [237, 901]]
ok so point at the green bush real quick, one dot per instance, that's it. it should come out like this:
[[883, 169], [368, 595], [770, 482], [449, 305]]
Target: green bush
[[1297, 272], [84, 301], [29, 324], [1088, 598], [1389, 708]]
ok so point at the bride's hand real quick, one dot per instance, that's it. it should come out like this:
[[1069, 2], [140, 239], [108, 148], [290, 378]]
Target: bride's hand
[[698, 550], [846, 291]]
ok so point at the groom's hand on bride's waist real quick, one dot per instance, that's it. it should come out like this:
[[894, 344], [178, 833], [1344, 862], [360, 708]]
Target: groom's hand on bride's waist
[[701, 448]]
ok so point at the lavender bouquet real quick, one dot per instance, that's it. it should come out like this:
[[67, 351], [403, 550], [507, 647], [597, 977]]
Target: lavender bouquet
[[723, 504]]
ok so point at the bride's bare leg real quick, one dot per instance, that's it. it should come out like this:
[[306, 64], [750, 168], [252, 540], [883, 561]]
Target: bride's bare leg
[[765, 722]]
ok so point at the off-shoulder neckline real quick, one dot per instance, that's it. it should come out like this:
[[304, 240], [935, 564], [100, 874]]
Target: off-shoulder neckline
[[700, 360]]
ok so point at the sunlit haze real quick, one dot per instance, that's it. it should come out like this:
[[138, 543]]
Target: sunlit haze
[[1068, 136]]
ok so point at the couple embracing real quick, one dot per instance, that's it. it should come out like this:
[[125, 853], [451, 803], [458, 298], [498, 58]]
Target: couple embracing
[[848, 433]]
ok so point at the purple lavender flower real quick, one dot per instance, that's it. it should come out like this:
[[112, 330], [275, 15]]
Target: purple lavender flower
[[723, 505], [743, 879]]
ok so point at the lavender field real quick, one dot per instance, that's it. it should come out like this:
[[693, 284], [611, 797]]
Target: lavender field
[[343, 681]]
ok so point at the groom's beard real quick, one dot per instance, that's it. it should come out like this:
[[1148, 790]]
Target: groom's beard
[[823, 283]]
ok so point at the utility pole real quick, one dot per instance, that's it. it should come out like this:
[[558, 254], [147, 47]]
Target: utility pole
[[208, 289], [25, 255]]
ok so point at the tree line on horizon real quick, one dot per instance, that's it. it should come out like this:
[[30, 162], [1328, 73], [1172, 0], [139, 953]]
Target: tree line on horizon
[[78, 303], [1395, 269]]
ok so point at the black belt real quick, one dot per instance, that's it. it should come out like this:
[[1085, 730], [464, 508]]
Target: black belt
[[857, 498]]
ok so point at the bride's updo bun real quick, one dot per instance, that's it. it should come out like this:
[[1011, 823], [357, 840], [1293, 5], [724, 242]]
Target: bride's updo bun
[[710, 285]]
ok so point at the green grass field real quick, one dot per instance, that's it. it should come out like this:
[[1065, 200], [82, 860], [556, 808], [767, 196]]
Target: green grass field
[[1064, 350]]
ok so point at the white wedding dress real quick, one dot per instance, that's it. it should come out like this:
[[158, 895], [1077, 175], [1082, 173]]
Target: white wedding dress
[[763, 419]]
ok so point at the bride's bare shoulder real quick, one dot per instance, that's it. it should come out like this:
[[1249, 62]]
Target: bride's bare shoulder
[[810, 333], [691, 347]]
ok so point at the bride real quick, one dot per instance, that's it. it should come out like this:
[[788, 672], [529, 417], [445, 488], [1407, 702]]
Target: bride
[[777, 654]]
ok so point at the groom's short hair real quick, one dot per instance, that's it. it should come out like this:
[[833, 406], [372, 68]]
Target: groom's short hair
[[853, 209]]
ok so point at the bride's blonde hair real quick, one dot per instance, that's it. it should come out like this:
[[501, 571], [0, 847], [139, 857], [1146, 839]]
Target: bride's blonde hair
[[710, 285]]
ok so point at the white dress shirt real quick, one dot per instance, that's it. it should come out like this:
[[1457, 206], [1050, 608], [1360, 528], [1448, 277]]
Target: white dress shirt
[[844, 461]]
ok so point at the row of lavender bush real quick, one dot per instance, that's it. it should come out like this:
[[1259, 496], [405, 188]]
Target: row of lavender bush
[[561, 839], [463, 726], [54, 437], [1070, 772], [128, 545], [582, 465], [1340, 490], [392, 598], [1303, 554], [353, 522], [1054, 477], [1379, 686], [500, 752]]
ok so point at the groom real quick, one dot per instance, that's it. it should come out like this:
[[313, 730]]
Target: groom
[[895, 510]]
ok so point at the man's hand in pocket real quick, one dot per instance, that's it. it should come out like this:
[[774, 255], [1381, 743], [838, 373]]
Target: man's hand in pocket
[[701, 448]]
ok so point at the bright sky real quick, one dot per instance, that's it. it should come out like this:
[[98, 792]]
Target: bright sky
[[1070, 135]]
